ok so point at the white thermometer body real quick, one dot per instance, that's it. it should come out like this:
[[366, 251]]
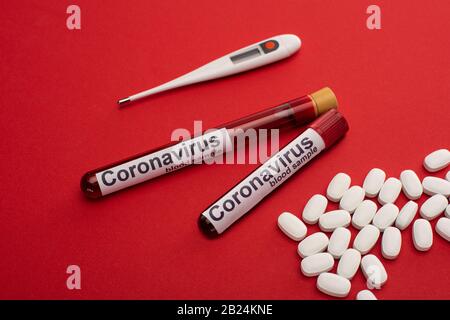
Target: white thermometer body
[[250, 57]]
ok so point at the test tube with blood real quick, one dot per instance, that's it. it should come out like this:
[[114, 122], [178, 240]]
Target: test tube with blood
[[176, 155]]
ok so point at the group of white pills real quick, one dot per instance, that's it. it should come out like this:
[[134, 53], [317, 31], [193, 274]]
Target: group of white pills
[[319, 251]]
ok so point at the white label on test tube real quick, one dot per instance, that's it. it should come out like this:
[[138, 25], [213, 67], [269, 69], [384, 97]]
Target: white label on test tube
[[261, 182], [205, 147]]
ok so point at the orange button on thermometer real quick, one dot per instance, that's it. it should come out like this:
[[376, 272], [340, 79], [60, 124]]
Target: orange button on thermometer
[[269, 46]]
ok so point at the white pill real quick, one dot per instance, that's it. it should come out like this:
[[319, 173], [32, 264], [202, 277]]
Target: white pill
[[391, 243], [339, 241], [374, 271], [366, 239], [422, 235], [385, 216], [352, 198], [443, 228], [433, 185], [315, 243], [334, 219], [373, 182], [349, 264], [447, 176], [437, 160], [447, 211], [433, 207], [412, 187], [366, 295], [292, 226], [406, 215], [390, 191], [316, 264], [337, 187], [364, 214], [333, 285], [315, 207]]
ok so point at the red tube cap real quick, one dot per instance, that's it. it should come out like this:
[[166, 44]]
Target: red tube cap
[[331, 126]]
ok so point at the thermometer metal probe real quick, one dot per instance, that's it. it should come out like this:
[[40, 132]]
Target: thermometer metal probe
[[250, 57]]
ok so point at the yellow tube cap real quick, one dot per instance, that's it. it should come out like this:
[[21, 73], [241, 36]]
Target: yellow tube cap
[[324, 99]]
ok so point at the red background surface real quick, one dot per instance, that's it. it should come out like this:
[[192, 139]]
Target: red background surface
[[59, 119]]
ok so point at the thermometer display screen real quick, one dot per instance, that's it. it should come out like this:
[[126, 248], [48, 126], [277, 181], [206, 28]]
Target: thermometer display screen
[[245, 55]]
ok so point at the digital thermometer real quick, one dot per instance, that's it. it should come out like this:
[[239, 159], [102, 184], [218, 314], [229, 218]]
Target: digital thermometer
[[250, 57]]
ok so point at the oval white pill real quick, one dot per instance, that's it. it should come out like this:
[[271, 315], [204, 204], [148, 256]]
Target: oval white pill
[[315, 243], [337, 187], [333, 285], [437, 160], [352, 198], [412, 187], [447, 211], [339, 241], [433, 207], [373, 182], [391, 243], [366, 295], [390, 191], [433, 185], [316, 264], [315, 207], [334, 219], [363, 215], [366, 239], [443, 228], [447, 176], [406, 215], [385, 216], [349, 263], [292, 226], [374, 271], [422, 235]]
